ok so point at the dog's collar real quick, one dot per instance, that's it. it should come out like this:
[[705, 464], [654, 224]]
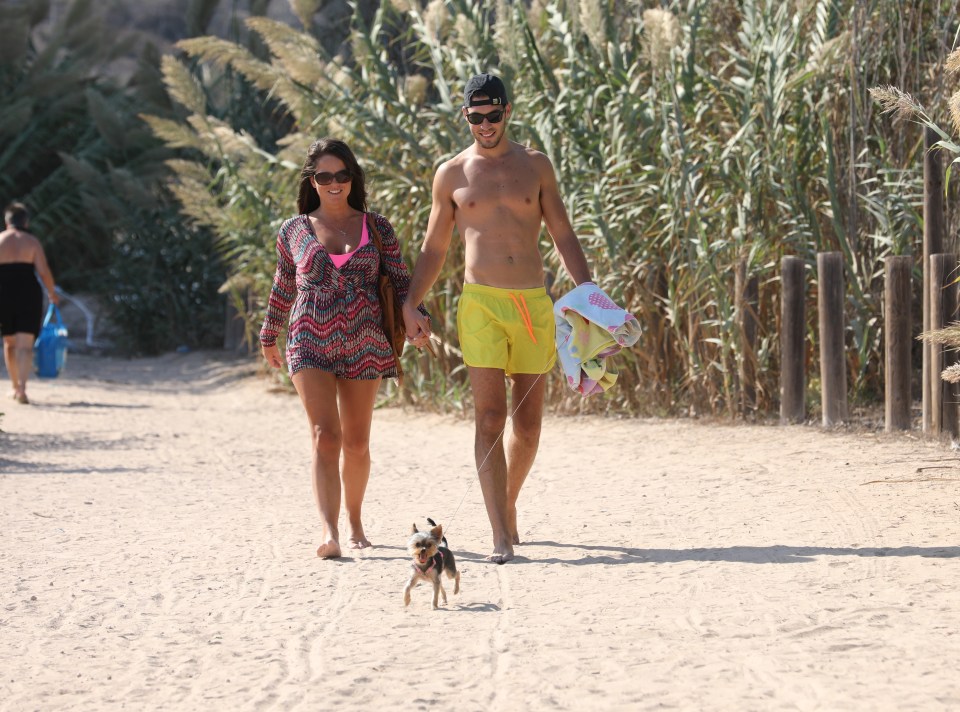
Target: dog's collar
[[433, 562]]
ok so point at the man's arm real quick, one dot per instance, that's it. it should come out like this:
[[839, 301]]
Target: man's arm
[[558, 224], [433, 253]]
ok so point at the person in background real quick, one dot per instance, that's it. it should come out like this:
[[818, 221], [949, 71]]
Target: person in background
[[325, 293], [22, 260]]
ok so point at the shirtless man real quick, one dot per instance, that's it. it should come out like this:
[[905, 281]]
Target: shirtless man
[[497, 193], [21, 301]]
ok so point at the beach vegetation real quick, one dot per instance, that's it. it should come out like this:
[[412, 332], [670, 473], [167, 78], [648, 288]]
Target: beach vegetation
[[686, 138], [902, 106], [93, 174]]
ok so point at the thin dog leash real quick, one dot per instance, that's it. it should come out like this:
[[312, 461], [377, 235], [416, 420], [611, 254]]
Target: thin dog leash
[[508, 420], [498, 438]]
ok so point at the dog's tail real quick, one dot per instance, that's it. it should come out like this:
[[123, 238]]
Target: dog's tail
[[443, 539]]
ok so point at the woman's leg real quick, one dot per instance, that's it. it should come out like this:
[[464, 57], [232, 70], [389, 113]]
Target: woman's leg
[[10, 359], [318, 393], [356, 413], [24, 348]]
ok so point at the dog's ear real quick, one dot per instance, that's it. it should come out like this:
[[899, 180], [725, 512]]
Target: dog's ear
[[413, 529], [437, 532]]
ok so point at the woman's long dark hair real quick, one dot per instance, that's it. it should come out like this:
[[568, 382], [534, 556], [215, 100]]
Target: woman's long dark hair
[[308, 200]]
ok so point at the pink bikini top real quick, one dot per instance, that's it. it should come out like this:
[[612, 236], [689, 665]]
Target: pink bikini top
[[340, 260]]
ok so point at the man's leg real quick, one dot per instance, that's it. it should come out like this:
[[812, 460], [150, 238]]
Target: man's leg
[[10, 359], [356, 413], [318, 392], [490, 410], [526, 405]]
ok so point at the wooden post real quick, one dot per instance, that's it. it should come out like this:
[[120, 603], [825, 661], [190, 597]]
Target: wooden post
[[746, 301], [943, 306], [792, 342], [897, 342], [833, 367], [932, 244]]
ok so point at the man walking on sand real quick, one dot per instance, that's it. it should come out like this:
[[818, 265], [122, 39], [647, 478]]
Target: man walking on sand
[[497, 193]]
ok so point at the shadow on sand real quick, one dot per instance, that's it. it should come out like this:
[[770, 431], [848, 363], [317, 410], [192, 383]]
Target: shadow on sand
[[773, 554], [13, 444]]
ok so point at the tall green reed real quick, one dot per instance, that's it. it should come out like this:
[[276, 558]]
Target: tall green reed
[[686, 138]]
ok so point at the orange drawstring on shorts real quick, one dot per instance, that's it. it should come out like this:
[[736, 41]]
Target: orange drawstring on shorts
[[525, 315]]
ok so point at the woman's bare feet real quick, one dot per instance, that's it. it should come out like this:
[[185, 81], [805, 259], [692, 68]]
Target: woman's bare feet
[[330, 549], [22, 398]]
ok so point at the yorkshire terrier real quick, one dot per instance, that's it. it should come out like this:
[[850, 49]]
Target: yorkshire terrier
[[431, 557]]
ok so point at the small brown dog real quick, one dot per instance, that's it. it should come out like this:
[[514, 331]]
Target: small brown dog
[[431, 557]]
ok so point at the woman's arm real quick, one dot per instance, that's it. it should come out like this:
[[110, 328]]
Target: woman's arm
[[43, 269], [282, 294]]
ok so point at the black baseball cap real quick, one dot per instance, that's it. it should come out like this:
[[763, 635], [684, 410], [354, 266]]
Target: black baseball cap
[[488, 85]]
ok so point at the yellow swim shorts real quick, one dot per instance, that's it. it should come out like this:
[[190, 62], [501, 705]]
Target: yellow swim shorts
[[512, 329]]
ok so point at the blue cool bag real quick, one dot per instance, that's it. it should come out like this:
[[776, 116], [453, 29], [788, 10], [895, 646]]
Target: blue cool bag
[[50, 348]]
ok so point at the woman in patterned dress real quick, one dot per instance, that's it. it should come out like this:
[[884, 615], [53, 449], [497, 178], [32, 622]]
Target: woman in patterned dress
[[324, 291]]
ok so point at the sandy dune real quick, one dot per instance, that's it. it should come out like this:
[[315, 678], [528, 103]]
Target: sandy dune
[[157, 539]]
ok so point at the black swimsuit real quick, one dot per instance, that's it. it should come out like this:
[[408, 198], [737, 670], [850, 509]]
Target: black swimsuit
[[21, 299]]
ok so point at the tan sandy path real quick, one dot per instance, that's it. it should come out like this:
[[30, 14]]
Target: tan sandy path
[[157, 540]]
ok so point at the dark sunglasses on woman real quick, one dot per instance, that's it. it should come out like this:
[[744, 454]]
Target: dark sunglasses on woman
[[494, 117], [326, 178]]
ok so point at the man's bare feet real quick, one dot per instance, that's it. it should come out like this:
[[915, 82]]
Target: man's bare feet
[[512, 525], [359, 542], [501, 554], [22, 398], [329, 549], [358, 539]]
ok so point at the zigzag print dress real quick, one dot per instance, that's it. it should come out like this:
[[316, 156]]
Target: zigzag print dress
[[335, 320]]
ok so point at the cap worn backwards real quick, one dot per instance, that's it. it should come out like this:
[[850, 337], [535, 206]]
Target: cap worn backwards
[[488, 86]]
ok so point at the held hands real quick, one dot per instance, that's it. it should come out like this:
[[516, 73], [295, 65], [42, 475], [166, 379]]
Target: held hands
[[272, 355], [417, 326]]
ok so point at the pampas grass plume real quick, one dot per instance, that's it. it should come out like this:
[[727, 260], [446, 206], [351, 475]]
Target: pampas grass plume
[[953, 61], [897, 102], [662, 33]]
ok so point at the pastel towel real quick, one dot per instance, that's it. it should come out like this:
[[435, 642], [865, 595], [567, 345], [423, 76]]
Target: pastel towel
[[590, 329]]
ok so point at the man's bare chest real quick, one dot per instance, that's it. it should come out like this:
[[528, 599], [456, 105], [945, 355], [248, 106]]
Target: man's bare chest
[[507, 186]]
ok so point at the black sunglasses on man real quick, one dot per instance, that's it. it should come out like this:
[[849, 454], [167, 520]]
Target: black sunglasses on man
[[494, 117]]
